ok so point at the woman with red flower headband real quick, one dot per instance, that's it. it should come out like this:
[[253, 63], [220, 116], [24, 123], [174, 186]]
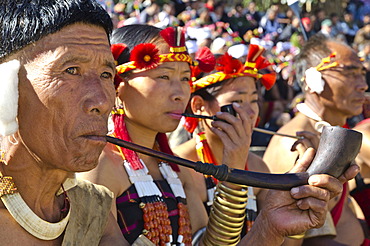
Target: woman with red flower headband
[[153, 90], [232, 83]]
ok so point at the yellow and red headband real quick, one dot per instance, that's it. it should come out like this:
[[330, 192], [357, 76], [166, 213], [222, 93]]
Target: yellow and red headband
[[229, 67], [146, 55]]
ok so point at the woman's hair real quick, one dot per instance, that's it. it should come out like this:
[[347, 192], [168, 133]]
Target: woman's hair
[[23, 22], [209, 93], [132, 35], [311, 55]]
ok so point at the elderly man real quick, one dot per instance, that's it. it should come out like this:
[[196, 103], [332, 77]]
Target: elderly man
[[59, 53], [333, 79], [56, 94]]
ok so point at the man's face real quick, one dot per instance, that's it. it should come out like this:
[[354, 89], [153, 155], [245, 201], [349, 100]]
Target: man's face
[[345, 84], [66, 93]]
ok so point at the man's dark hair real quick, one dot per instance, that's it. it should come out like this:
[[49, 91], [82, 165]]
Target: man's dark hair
[[23, 22], [311, 54]]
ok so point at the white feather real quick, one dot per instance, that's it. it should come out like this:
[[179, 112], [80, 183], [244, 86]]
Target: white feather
[[9, 97]]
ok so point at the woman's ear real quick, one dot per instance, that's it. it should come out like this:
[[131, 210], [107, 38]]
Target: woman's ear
[[120, 89], [197, 104]]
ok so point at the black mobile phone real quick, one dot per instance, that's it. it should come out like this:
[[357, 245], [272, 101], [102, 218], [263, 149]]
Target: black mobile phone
[[229, 109]]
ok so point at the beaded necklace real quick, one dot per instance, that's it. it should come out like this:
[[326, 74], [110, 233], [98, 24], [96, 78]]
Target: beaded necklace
[[157, 225]]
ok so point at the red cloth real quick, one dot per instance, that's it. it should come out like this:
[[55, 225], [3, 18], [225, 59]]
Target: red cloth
[[366, 242], [336, 212]]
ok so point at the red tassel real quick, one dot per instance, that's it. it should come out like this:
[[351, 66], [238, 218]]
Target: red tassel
[[162, 141], [190, 124], [268, 80], [117, 50], [121, 132], [206, 59], [254, 52], [203, 150]]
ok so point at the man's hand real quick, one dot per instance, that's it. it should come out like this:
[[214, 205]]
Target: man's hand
[[304, 207]]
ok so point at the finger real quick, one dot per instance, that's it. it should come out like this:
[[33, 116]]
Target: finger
[[311, 137], [303, 163], [316, 205], [246, 114], [306, 143], [242, 124], [350, 173], [333, 185], [228, 130], [306, 191], [299, 147]]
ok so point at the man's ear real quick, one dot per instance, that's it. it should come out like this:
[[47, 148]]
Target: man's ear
[[197, 104]]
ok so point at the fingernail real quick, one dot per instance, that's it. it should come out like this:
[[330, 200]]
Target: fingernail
[[218, 113], [236, 104], [294, 190]]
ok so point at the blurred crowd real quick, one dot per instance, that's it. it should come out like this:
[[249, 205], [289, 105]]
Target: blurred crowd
[[231, 28]]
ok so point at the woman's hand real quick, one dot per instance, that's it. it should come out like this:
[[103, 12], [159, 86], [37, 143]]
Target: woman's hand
[[235, 134]]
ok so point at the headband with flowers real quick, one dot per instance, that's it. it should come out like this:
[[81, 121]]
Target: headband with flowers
[[229, 67], [146, 55], [313, 75]]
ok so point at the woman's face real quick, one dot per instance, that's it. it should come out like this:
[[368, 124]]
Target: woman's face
[[156, 98], [241, 90]]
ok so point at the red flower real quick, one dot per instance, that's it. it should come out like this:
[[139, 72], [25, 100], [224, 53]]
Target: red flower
[[229, 65], [145, 56]]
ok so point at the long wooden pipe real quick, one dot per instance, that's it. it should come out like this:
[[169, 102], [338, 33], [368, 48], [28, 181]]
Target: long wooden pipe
[[338, 147]]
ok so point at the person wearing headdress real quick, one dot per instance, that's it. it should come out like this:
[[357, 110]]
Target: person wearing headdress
[[55, 97], [232, 83], [333, 80]]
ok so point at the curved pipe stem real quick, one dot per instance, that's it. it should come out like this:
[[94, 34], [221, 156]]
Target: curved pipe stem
[[223, 172], [337, 149]]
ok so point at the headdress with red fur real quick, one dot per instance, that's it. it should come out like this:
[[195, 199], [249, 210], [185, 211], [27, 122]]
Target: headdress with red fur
[[229, 67]]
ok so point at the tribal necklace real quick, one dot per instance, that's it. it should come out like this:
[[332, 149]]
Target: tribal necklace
[[157, 225], [25, 217]]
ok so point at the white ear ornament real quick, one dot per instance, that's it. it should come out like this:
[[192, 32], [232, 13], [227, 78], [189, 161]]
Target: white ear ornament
[[9, 97], [314, 80]]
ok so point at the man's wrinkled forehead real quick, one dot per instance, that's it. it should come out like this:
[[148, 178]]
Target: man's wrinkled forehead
[[67, 38]]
